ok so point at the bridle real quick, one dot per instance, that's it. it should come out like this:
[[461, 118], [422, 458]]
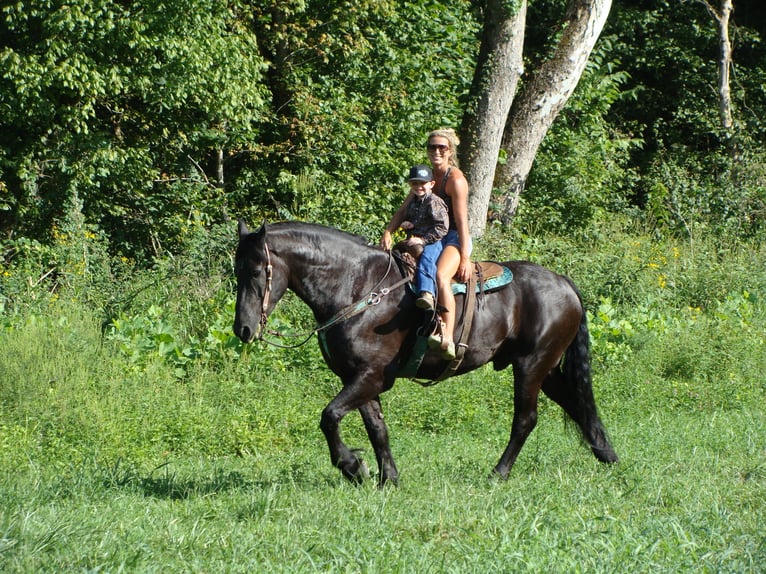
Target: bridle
[[266, 291], [373, 298]]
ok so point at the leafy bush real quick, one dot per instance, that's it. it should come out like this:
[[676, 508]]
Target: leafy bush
[[686, 318]]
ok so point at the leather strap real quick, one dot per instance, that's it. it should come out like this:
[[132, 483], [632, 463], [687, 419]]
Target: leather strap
[[469, 306]]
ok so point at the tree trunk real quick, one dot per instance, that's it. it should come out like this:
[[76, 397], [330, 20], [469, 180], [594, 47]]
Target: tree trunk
[[494, 84], [722, 17], [544, 96], [724, 65]]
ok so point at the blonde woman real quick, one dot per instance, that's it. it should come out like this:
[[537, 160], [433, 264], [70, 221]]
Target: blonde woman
[[455, 258]]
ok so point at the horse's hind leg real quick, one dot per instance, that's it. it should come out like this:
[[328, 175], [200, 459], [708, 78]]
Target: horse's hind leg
[[372, 415], [581, 408], [526, 393]]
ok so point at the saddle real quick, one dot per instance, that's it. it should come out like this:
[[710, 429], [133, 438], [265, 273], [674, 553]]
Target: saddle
[[488, 270], [487, 276], [484, 272]]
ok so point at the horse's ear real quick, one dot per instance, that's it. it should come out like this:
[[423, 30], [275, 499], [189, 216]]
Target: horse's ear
[[242, 229], [260, 233], [244, 232]]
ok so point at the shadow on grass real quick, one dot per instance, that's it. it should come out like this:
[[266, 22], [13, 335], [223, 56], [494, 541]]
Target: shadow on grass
[[164, 483]]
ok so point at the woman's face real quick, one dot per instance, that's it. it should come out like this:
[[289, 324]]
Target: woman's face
[[439, 151]]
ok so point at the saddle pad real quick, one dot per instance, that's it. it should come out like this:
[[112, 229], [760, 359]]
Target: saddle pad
[[491, 283], [495, 276]]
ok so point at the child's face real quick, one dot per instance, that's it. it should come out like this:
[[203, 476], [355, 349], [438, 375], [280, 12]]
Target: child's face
[[421, 188]]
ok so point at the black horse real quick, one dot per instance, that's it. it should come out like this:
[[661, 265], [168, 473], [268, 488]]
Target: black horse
[[368, 321]]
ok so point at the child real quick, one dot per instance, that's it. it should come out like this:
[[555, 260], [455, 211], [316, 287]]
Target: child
[[424, 218]]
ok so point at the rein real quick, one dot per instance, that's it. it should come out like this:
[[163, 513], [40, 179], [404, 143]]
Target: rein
[[372, 299]]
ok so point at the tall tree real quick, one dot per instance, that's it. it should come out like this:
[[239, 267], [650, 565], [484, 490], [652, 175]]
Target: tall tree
[[543, 95], [722, 16], [496, 76]]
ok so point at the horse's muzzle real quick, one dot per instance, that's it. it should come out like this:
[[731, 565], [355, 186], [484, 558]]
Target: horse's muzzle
[[245, 333]]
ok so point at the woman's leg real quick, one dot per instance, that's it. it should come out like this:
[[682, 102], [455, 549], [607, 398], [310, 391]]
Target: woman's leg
[[445, 271]]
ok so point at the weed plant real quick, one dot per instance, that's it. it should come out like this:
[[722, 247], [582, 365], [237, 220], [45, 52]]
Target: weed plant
[[139, 435]]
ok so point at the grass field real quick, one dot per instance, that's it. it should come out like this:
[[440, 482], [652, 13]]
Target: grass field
[[114, 458]]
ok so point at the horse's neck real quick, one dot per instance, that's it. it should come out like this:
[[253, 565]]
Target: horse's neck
[[332, 278]]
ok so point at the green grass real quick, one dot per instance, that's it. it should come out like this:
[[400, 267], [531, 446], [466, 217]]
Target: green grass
[[673, 504], [113, 460], [117, 473]]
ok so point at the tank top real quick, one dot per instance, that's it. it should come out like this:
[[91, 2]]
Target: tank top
[[442, 192]]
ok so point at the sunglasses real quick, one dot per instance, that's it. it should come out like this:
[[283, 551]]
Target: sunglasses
[[441, 147]]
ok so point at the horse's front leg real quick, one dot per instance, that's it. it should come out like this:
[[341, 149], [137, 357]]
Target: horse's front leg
[[372, 415], [354, 395]]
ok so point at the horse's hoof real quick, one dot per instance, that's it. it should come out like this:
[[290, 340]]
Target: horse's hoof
[[356, 471], [607, 457], [497, 476], [604, 452], [364, 470], [388, 481]]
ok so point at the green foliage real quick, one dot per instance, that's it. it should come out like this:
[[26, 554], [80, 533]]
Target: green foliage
[[582, 169], [690, 171], [159, 120], [77, 263], [690, 193], [151, 336], [122, 105], [29, 266], [354, 101]]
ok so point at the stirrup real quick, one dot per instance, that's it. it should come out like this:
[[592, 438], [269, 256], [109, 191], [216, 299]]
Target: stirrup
[[436, 338], [435, 341], [448, 350]]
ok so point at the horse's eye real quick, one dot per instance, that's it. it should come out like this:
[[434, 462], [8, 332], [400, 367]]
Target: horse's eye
[[251, 272], [255, 275]]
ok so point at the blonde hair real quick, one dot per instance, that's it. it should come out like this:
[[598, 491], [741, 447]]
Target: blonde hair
[[454, 141]]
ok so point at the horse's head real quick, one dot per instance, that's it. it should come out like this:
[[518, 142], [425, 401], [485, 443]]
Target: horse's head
[[257, 290]]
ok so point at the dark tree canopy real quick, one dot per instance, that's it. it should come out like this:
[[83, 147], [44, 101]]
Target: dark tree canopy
[[148, 121]]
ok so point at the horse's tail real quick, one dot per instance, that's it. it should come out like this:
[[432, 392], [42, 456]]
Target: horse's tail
[[577, 370], [578, 378]]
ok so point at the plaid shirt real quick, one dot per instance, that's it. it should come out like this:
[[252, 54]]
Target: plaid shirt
[[429, 216]]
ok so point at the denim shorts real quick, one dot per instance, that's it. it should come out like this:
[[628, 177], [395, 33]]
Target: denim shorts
[[452, 239]]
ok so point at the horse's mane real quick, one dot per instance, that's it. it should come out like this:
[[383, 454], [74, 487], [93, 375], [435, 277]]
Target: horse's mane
[[350, 245], [320, 232]]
